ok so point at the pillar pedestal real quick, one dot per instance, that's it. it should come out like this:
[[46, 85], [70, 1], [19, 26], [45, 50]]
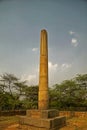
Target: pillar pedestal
[[42, 120]]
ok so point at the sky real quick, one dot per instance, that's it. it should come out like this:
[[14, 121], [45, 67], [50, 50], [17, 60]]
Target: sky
[[21, 22]]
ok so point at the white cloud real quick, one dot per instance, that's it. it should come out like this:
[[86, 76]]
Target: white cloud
[[65, 66], [52, 66], [71, 32], [74, 42], [31, 79], [34, 49]]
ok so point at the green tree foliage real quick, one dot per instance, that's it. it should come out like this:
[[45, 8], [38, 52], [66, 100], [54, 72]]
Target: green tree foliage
[[16, 94], [65, 93], [8, 82], [31, 97], [70, 93], [81, 81]]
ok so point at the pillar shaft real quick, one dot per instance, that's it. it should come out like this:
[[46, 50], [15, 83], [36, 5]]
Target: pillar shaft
[[43, 98]]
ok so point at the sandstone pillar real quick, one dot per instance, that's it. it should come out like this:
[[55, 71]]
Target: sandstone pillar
[[42, 118], [43, 72]]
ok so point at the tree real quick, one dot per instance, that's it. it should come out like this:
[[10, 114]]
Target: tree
[[31, 97], [16, 94], [66, 91], [8, 82], [81, 81], [70, 93], [20, 88], [9, 96]]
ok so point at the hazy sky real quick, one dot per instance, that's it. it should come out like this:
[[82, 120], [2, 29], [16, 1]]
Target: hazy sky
[[20, 24]]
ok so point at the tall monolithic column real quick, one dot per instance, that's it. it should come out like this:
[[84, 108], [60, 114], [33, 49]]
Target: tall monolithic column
[[42, 118], [43, 98]]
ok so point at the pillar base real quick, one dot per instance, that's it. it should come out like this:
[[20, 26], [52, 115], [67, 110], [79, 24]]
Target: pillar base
[[42, 120]]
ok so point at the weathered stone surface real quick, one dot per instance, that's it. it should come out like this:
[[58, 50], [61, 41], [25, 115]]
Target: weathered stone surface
[[42, 113], [49, 124], [43, 99]]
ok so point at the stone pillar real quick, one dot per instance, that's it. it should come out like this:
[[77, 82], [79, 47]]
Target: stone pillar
[[43, 98], [42, 118]]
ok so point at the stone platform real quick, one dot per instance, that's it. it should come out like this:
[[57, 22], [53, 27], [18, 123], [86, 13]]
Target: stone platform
[[42, 120]]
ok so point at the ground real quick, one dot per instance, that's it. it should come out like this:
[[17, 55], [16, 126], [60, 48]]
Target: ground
[[75, 123], [8, 122]]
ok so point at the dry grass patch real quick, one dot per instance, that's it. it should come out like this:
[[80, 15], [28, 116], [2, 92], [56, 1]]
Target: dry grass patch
[[76, 123], [5, 121]]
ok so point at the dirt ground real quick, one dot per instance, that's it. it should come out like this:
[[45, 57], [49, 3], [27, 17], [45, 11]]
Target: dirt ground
[[75, 123], [12, 127]]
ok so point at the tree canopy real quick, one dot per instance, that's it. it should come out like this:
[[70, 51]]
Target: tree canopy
[[16, 94]]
